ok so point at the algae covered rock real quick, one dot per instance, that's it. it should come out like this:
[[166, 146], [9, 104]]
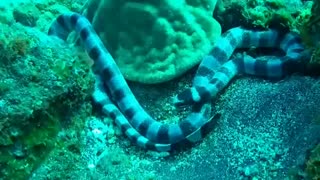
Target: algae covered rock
[[42, 83], [313, 164], [154, 41], [288, 14]]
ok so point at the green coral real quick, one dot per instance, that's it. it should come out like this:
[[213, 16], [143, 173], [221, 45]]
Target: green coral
[[269, 13], [310, 30], [154, 41], [275, 4], [309, 26], [313, 164], [37, 139]]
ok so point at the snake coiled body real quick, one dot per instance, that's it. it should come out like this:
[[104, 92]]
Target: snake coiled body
[[116, 100]]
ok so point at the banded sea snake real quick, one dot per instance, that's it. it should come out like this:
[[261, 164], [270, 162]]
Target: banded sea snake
[[215, 71]]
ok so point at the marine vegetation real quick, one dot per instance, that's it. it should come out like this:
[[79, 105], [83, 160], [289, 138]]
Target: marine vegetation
[[82, 84]]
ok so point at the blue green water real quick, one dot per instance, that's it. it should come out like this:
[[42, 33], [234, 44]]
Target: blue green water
[[51, 129]]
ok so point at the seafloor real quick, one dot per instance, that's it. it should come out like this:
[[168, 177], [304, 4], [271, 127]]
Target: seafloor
[[266, 129]]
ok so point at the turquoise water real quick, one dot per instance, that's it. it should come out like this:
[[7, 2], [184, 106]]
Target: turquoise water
[[257, 87]]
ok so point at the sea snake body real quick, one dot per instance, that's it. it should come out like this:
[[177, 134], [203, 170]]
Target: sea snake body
[[216, 70], [116, 100], [128, 114]]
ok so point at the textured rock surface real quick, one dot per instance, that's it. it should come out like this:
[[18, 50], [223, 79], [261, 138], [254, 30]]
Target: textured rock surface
[[40, 76], [264, 132]]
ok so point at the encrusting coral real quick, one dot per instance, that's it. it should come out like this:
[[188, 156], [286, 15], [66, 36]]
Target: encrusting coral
[[154, 41]]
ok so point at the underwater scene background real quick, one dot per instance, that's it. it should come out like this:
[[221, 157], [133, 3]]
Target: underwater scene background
[[159, 90]]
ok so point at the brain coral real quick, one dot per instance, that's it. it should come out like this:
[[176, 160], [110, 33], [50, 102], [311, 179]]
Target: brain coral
[[154, 41]]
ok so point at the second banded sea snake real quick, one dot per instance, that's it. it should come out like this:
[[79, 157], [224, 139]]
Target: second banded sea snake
[[114, 96], [216, 70]]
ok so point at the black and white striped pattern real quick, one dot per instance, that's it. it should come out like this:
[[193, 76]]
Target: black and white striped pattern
[[133, 120], [116, 99], [216, 70]]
